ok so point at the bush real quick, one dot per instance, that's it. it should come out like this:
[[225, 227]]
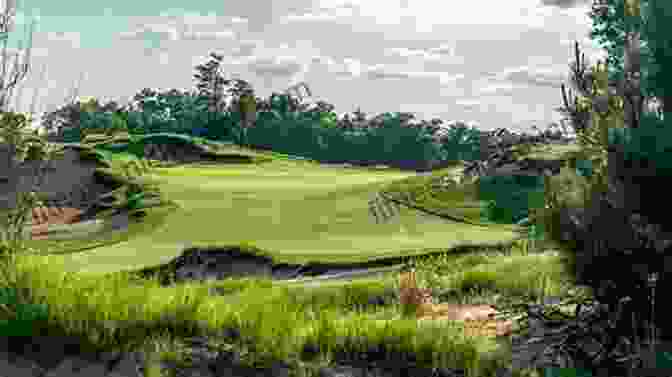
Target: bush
[[510, 197]]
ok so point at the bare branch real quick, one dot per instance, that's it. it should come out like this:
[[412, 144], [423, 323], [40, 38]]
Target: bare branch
[[20, 69]]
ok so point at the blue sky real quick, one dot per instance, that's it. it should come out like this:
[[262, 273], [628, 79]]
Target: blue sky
[[490, 63]]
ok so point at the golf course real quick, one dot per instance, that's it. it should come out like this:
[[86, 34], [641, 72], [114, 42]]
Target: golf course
[[295, 212]]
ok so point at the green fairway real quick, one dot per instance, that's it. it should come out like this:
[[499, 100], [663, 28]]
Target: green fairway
[[296, 211]]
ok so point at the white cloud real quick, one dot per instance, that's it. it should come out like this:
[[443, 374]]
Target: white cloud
[[164, 58], [442, 54], [244, 48], [381, 72], [322, 15], [175, 26], [238, 20], [353, 65], [348, 67], [466, 103], [69, 37], [275, 66], [497, 88], [424, 14], [208, 35], [147, 31]]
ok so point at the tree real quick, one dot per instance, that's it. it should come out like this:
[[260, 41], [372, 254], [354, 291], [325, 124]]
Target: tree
[[244, 102], [11, 135], [210, 83], [247, 106], [31, 112], [660, 45], [152, 108], [238, 87], [12, 131], [181, 109], [609, 29], [20, 70], [67, 116], [614, 106], [621, 36], [325, 114]]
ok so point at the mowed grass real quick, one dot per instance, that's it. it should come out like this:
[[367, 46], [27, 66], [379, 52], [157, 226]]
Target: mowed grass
[[296, 211]]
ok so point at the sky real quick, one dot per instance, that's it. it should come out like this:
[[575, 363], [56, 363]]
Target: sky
[[488, 63]]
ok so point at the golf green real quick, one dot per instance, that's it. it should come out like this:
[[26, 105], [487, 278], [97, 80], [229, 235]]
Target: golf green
[[298, 212]]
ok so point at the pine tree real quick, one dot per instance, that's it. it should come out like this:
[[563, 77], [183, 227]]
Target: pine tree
[[210, 83]]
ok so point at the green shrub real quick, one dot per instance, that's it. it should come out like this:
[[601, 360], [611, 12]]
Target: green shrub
[[509, 198]]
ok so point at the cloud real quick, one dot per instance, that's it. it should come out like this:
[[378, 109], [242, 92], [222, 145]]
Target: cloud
[[348, 67], [275, 66], [160, 32], [244, 48], [468, 103], [565, 4], [436, 53], [208, 35], [238, 20], [177, 26], [333, 14], [497, 88], [534, 77], [186, 17], [380, 72], [69, 37], [424, 14]]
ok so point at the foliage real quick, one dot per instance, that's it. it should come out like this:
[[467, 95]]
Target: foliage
[[172, 111], [150, 112], [210, 83], [16, 317], [282, 123], [102, 123], [606, 114], [247, 108], [613, 130], [13, 131], [136, 191], [67, 117], [609, 30], [12, 229], [657, 34], [24, 145], [510, 197], [461, 143]]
